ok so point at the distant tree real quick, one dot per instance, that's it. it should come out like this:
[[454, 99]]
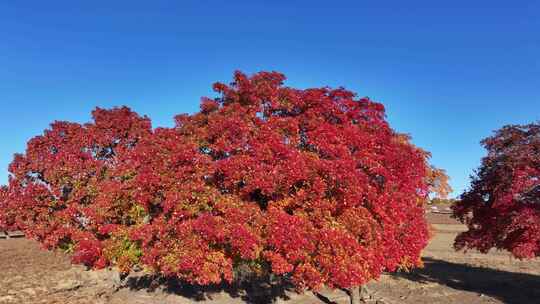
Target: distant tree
[[438, 182], [502, 207]]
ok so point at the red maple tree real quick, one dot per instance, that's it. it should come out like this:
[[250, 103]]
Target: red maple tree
[[502, 207], [310, 184]]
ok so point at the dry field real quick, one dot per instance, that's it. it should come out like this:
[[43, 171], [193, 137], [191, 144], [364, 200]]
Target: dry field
[[30, 275]]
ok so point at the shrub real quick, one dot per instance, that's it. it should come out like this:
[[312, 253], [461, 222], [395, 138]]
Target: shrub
[[502, 207]]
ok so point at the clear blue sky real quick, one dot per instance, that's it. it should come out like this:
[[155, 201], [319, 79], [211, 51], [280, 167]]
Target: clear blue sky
[[449, 72]]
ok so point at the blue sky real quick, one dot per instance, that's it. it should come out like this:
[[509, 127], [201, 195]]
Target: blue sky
[[448, 72]]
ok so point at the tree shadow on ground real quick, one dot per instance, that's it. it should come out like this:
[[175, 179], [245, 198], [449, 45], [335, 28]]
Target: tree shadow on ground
[[509, 287], [256, 291]]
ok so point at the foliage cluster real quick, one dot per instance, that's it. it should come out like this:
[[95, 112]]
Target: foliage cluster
[[311, 184], [502, 207]]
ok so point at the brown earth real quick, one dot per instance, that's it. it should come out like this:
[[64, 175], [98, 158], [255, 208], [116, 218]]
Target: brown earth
[[31, 275]]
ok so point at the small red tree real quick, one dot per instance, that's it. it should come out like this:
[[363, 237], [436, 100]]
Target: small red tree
[[502, 207]]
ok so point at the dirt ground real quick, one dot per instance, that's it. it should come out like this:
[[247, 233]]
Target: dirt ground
[[31, 275]]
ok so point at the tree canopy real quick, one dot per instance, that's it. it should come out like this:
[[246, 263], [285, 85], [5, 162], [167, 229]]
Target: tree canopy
[[502, 207], [310, 184]]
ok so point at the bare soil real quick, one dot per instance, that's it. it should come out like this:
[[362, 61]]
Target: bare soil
[[31, 275]]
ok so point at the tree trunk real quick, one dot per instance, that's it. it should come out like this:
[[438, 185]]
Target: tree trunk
[[358, 297], [354, 296], [362, 291]]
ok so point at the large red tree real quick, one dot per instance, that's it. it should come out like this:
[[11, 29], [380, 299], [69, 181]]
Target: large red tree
[[311, 184], [502, 207]]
